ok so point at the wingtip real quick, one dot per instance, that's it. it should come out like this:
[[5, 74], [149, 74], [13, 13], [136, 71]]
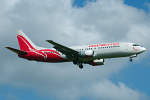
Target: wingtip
[[49, 40], [7, 47]]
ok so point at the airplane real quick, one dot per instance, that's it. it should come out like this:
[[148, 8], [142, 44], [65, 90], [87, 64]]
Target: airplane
[[88, 54]]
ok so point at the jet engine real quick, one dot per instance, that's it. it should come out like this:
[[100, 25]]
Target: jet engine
[[98, 62], [87, 53]]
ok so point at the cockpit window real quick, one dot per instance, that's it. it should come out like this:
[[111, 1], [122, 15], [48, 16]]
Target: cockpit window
[[136, 45]]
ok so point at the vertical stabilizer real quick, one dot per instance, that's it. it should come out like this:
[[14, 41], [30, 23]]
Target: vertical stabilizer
[[24, 42]]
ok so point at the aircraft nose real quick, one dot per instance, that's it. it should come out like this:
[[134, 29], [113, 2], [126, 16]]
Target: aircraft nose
[[144, 49]]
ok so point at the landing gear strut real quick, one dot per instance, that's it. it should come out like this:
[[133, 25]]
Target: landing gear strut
[[132, 57], [76, 62]]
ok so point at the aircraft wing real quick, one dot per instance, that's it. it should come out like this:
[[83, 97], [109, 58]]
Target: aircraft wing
[[70, 53]]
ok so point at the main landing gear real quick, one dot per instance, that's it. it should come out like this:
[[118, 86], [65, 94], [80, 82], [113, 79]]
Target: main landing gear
[[80, 66], [78, 63]]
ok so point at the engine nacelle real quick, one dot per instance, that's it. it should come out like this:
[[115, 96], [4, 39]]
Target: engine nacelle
[[87, 53], [98, 62]]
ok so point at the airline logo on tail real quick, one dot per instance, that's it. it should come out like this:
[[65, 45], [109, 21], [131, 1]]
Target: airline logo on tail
[[24, 42]]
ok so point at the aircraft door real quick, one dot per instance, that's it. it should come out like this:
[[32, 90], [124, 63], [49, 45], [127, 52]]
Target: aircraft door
[[126, 47], [95, 53]]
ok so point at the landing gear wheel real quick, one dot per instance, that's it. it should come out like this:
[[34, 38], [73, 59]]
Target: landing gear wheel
[[75, 62], [80, 66], [130, 60]]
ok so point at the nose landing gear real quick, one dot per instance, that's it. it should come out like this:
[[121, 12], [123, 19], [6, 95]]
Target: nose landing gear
[[78, 63], [130, 59]]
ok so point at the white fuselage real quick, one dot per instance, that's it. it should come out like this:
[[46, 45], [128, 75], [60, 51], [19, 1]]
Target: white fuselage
[[109, 50]]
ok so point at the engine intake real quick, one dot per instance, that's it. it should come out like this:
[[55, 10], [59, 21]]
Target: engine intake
[[87, 53], [98, 62]]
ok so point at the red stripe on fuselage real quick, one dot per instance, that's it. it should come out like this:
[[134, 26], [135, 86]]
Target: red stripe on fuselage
[[45, 55]]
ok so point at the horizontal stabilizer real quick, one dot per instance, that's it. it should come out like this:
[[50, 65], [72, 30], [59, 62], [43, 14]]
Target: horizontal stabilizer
[[17, 51]]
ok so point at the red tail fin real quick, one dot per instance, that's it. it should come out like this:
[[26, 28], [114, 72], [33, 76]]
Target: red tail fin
[[24, 42]]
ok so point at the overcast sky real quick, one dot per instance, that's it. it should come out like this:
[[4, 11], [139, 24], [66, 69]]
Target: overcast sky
[[74, 23]]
